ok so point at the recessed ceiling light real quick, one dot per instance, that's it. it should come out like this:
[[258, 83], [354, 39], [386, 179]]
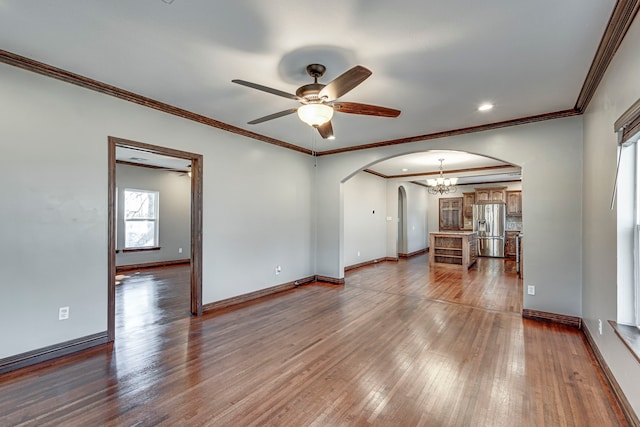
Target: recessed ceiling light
[[485, 107], [404, 169], [331, 137]]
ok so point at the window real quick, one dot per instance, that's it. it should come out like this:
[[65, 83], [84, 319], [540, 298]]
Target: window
[[140, 218], [628, 216], [627, 325]]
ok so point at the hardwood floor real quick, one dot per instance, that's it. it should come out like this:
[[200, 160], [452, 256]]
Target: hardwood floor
[[399, 344]]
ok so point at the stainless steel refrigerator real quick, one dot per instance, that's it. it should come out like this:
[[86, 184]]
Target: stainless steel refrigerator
[[489, 222]]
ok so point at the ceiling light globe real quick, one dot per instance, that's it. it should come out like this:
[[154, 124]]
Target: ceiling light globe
[[315, 114]]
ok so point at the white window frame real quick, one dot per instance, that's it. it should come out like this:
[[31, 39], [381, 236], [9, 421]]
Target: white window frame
[[155, 219], [636, 240]]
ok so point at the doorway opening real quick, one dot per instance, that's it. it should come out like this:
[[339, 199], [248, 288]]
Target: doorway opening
[[195, 258]]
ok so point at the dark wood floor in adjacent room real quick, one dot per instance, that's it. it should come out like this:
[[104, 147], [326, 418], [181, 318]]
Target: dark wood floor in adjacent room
[[399, 345]]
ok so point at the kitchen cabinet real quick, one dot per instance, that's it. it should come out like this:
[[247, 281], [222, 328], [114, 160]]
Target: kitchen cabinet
[[498, 194], [450, 213], [490, 194], [514, 203], [453, 249], [468, 199], [482, 195], [510, 244]]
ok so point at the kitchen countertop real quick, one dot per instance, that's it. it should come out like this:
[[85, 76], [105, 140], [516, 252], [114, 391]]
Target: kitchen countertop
[[459, 233]]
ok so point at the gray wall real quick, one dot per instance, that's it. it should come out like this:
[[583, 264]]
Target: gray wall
[[365, 228], [417, 211], [374, 235], [174, 213], [619, 89], [54, 212]]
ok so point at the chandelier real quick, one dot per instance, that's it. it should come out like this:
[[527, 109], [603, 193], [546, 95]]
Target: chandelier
[[442, 185]]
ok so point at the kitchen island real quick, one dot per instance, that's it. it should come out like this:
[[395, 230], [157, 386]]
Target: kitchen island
[[454, 248]]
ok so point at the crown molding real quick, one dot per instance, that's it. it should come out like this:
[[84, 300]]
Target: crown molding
[[624, 12], [455, 132], [87, 83], [412, 175]]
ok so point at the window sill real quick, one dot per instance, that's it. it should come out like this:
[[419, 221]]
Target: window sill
[[155, 248], [630, 336]]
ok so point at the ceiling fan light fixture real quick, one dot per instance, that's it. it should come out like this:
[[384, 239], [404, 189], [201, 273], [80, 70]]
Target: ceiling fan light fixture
[[315, 114]]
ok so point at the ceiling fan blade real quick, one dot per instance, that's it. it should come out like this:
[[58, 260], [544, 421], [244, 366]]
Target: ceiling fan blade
[[325, 130], [266, 89], [366, 109], [273, 116], [345, 82]]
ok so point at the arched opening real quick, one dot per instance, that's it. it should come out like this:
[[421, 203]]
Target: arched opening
[[410, 215], [414, 210]]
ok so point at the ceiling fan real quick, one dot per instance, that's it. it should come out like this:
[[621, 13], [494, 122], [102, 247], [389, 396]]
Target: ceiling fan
[[319, 100]]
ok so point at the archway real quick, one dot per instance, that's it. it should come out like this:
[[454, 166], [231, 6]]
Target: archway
[[402, 220]]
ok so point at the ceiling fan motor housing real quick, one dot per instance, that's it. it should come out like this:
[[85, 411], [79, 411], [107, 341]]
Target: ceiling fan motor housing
[[310, 91]]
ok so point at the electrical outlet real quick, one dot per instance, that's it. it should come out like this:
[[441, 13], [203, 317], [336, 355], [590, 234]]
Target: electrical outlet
[[179, 250], [63, 313], [600, 326], [278, 270], [531, 290], [358, 253]]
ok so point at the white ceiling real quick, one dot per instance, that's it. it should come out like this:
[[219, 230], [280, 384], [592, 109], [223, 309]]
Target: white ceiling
[[140, 157], [434, 60]]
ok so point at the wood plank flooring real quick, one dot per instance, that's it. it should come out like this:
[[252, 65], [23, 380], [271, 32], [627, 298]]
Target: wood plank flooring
[[400, 344]]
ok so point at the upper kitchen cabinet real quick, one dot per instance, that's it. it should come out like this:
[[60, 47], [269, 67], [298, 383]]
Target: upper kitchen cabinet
[[468, 199], [450, 214], [514, 203], [490, 194]]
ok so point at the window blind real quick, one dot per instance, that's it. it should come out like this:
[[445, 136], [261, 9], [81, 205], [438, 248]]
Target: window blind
[[628, 129], [628, 125]]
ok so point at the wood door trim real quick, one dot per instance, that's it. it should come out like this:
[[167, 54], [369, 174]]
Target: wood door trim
[[196, 223]]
